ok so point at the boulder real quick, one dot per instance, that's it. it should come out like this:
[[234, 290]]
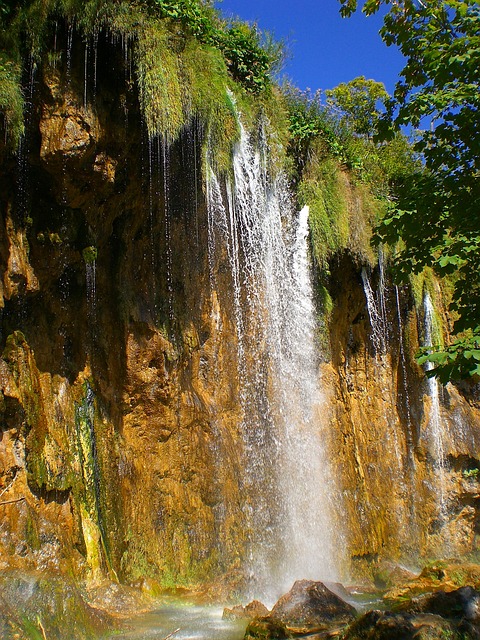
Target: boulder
[[266, 629], [254, 609], [463, 603], [309, 607], [311, 604], [438, 576], [389, 574]]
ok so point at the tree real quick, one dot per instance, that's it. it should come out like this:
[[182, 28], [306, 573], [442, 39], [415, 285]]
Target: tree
[[437, 210], [356, 104]]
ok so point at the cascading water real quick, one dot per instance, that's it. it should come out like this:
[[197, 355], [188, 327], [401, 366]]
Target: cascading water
[[434, 429], [303, 467], [286, 484]]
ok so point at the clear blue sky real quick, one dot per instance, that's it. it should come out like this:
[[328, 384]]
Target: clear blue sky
[[325, 48]]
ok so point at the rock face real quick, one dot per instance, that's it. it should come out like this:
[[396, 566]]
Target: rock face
[[392, 429], [120, 451], [118, 402]]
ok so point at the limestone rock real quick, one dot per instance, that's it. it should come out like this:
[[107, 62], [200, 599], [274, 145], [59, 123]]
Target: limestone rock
[[19, 277], [440, 576], [266, 629], [463, 603], [390, 574]]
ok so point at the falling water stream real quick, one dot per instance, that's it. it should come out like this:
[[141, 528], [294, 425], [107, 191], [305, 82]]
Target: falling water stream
[[286, 478], [434, 429]]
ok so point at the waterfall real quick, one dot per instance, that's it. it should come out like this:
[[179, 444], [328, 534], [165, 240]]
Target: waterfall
[[434, 429], [286, 485]]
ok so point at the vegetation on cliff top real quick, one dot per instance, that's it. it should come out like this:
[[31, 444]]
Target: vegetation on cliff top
[[436, 212], [188, 60], [339, 170]]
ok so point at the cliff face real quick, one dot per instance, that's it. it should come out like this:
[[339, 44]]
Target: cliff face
[[121, 452], [405, 448], [118, 399]]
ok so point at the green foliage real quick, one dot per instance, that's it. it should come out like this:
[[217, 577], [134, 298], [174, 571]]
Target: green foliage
[[11, 97], [357, 103], [323, 192], [436, 210], [471, 473], [247, 60], [90, 254], [314, 130], [248, 63], [459, 360]]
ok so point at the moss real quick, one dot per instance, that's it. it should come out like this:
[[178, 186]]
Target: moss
[[321, 190], [88, 487], [43, 607], [11, 98], [31, 534], [135, 563], [184, 66], [90, 254]]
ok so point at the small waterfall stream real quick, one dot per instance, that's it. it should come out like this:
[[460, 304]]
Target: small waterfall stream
[[286, 480]]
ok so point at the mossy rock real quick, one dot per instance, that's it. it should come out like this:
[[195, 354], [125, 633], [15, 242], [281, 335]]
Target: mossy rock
[[39, 606]]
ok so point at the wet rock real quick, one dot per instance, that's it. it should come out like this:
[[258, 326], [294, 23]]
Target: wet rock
[[266, 629], [40, 605], [385, 625], [438, 576], [309, 607], [463, 603], [389, 574], [66, 133], [117, 599], [454, 615], [254, 609]]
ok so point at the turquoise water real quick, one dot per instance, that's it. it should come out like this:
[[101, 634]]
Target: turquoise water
[[185, 621]]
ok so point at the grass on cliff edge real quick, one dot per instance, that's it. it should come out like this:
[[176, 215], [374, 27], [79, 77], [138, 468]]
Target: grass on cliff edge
[[188, 61]]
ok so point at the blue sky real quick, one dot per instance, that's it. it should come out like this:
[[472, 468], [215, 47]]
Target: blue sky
[[325, 48]]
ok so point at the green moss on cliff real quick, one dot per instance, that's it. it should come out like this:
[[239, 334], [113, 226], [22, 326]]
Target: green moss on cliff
[[11, 97], [89, 487]]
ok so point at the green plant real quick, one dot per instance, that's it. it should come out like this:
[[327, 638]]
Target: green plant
[[436, 212], [90, 254], [11, 97], [357, 104]]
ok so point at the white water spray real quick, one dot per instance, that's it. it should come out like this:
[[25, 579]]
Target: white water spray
[[286, 480], [434, 433]]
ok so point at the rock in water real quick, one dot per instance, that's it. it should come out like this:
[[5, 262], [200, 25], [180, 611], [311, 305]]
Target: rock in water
[[308, 607], [310, 604], [461, 603]]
